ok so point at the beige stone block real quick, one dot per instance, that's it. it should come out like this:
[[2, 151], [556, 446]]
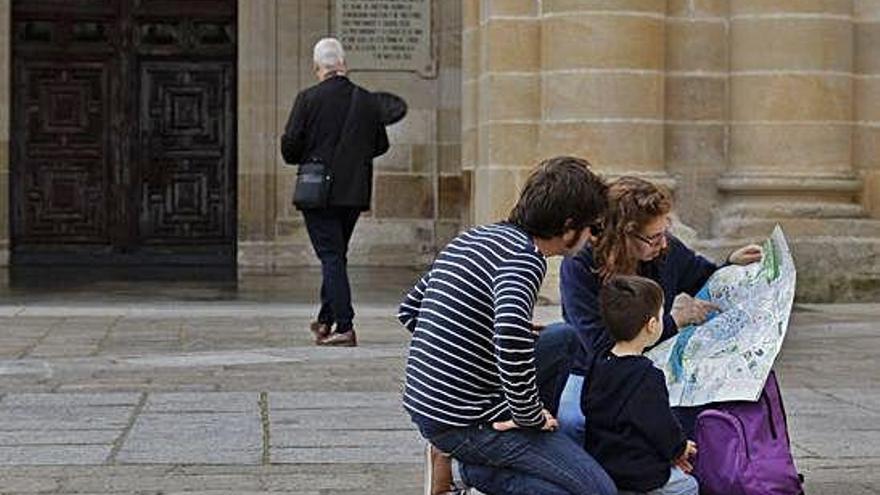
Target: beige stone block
[[450, 50], [610, 147], [866, 9], [4, 155], [449, 125], [423, 158], [256, 206], [866, 147], [694, 144], [453, 196], [870, 196], [403, 196], [516, 8], [494, 193], [833, 7], [450, 85], [418, 127], [470, 13], [470, 54], [4, 206], [790, 148], [510, 145], [469, 104], [791, 44], [867, 56], [596, 96], [783, 97], [511, 45], [451, 15], [694, 9], [449, 158], [696, 46], [696, 195], [505, 97], [867, 100], [419, 93], [469, 149], [696, 98], [602, 41], [398, 158], [560, 6]]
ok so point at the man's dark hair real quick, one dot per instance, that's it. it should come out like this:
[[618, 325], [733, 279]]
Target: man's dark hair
[[627, 302], [560, 194]]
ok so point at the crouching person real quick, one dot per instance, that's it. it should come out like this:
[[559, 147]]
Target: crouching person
[[471, 381], [631, 430]]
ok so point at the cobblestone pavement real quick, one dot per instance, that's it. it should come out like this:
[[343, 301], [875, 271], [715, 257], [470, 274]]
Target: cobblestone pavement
[[172, 388]]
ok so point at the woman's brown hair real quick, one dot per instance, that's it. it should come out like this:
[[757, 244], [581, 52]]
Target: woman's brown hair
[[632, 204]]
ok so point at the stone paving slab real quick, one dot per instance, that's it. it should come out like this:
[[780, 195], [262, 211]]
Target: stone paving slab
[[233, 398]]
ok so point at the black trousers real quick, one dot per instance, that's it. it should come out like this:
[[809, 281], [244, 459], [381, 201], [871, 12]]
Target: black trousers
[[330, 231]]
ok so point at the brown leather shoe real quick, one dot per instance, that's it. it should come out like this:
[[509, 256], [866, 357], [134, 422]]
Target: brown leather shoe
[[319, 330], [345, 339], [438, 472]]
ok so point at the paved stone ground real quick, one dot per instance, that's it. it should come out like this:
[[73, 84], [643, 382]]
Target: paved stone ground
[[212, 387]]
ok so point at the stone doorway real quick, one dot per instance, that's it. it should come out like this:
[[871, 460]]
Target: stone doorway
[[123, 132]]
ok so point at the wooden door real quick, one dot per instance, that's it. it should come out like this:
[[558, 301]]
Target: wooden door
[[123, 146]]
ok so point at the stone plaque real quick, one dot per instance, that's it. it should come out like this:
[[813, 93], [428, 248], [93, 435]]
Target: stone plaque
[[385, 34]]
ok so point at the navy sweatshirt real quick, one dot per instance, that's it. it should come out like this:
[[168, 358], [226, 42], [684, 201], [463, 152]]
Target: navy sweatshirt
[[679, 270], [631, 431]]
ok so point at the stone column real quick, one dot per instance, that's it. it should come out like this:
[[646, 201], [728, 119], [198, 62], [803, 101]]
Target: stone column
[[791, 101], [697, 109], [791, 144], [866, 139], [257, 120], [5, 103], [501, 98], [602, 84]]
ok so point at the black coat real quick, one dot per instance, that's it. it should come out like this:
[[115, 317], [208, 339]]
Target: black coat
[[630, 431], [315, 127]]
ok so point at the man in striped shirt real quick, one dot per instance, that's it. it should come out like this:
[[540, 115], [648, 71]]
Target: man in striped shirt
[[471, 380]]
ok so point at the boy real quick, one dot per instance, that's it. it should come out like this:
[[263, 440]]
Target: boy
[[630, 428], [471, 370]]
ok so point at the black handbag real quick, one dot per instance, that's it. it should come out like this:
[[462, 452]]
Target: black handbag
[[312, 188], [314, 178]]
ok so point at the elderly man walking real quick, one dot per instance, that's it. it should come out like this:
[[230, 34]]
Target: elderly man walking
[[336, 123]]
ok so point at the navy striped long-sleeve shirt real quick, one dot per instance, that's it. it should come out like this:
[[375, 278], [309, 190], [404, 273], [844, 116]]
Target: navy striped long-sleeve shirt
[[471, 359]]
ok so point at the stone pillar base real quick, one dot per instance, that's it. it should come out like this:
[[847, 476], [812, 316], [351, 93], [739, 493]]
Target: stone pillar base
[[829, 268]]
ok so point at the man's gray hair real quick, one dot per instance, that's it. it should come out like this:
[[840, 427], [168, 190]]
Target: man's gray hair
[[328, 54]]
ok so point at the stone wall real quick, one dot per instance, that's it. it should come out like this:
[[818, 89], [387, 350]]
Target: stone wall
[[755, 112], [419, 190], [5, 91]]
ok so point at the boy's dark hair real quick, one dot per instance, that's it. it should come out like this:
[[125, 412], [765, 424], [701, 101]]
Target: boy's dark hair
[[560, 194], [627, 303]]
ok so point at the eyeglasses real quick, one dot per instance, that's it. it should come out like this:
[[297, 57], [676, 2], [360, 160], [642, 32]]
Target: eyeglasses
[[654, 240]]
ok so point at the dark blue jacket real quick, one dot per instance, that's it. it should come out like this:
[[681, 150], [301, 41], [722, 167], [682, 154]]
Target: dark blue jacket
[[679, 270], [631, 431]]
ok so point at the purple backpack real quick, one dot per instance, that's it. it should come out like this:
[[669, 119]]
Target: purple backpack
[[743, 448]]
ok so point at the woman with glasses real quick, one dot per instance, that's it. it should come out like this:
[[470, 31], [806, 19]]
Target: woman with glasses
[[634, 239]]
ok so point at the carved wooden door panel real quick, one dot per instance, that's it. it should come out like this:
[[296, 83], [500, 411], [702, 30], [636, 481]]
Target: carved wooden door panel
[[185, 152], [123, 146]]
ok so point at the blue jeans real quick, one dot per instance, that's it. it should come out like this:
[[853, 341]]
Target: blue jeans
[[330, 231], [679, 484], [572, 422], [523, 462]]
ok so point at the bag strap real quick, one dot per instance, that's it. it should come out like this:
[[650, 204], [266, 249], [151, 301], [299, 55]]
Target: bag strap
[[348, 116]]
